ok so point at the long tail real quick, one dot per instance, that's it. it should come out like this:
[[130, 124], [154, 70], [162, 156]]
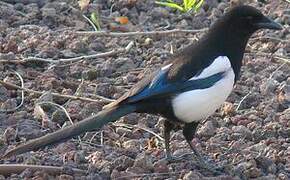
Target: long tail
[[95, 122]]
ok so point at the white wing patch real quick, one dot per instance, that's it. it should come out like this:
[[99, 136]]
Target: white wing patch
[[220, 64], [198, 104], [166, 67]]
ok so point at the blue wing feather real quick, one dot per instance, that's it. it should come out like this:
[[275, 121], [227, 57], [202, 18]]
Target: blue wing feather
[[160, 86]]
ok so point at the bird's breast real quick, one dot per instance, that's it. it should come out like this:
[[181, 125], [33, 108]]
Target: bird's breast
[[198, 104]]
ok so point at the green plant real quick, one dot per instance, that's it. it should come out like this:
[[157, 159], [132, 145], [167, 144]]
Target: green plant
[[186, 6], [96, 20]]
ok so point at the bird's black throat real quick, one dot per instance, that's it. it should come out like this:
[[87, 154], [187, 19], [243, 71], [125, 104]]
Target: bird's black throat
[[229, 41]]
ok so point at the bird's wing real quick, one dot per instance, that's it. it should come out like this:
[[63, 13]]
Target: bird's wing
[[160, 86], [186, 72], [136, 89]]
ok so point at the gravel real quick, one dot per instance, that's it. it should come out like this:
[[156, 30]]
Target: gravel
[[252, 141]]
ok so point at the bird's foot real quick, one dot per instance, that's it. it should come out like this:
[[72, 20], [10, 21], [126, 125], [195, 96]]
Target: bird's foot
[[205, 164], [211, 167], [200, 162], [177, 159]]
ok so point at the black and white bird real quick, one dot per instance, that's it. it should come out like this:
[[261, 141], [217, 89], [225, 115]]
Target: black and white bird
[[192, 86]]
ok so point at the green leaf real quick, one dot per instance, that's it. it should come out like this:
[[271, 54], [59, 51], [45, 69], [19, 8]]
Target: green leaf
[[95, 19], [172, 5], [185, 4], [191, 4], [198, 5]]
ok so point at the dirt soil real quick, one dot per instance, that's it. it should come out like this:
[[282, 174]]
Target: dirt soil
[[249, 135]]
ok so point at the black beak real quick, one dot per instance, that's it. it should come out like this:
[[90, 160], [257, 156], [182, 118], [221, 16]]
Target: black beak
[[267, 23]]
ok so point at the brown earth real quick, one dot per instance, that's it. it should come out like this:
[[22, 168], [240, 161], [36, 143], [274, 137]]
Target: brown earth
[[250, 135]]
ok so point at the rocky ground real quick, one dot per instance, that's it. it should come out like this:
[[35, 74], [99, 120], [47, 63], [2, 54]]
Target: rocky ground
[[249, 135]]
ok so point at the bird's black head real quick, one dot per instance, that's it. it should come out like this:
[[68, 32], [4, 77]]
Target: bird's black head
[[237, 25], [230, 34], [245, 20]]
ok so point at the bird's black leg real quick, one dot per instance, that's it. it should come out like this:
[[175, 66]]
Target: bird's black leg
[[166, 133], [189, 132], [168, 127]]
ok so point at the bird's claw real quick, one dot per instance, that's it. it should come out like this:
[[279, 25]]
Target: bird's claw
[[216, 170], [176, 159], [200, 162]]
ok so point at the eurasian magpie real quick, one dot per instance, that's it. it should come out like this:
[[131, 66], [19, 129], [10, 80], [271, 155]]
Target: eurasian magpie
[[192, 86]]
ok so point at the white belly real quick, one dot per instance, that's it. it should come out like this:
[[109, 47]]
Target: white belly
[[196, 105]]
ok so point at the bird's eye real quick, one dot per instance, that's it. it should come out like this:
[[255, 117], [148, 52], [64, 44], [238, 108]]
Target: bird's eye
[[249, 18]]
